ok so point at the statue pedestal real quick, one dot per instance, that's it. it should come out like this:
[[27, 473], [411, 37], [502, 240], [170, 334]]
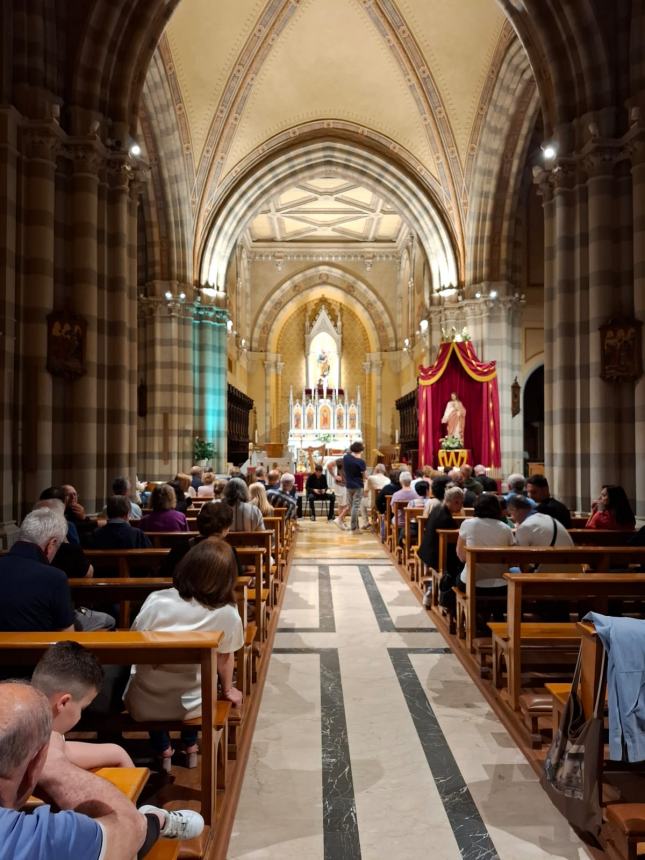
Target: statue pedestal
[[453, 458]]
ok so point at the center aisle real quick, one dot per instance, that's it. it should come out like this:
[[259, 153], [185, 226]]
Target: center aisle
[[372, 741]]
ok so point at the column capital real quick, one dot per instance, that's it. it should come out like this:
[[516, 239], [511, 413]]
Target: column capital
[[119, 172], [599, 157], [634, 143], [86, 157], [42, 141]]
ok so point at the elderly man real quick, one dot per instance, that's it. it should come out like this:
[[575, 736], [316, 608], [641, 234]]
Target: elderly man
[[279, 492], [516, 484], [535, 528], [405, 494], [32, 756], [36, 596], [471, 483], [489, 484]]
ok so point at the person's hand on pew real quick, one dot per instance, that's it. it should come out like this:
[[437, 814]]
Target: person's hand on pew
[[225, 666], [69, 787], [234, 696], [89, 756]]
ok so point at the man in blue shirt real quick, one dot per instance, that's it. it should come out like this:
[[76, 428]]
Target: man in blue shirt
[[354, 471], [32, 755]]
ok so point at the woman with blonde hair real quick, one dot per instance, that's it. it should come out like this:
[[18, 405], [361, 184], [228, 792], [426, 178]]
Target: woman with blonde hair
[[258, 497], [185, 484], [206, 489]]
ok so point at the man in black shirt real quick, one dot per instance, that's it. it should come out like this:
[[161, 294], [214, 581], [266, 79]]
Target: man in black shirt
[[538, 489], [316, 488]]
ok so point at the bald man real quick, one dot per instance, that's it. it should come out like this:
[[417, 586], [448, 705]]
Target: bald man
[[97, 820]]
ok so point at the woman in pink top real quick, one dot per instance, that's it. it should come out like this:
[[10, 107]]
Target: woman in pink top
[[611, 510], [164, 517]]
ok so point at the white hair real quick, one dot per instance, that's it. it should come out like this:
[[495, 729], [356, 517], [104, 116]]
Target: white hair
[[25, 724], [480, 470], [287, 478], [41, 526], [453, 493], [405, 478], [379, 469], [516, 482]]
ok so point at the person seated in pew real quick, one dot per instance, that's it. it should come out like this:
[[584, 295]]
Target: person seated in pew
[[213, 521], [117, 533], [485, 528], [36, 595], [470, 482], [538, 490], [33, 758], [516, 484], [205, 489], [535, 528], [71, 677], [489, 484], [71, 559], [437, 490], [181, 486], [196, 473], [405, 494], [422, 489], [59, 494], [164, 517], [246, 517], [123, 487], [457, 478], [442, 517], [203, 598], [611, 510], [258, 497], [392, 487], [279, 492]]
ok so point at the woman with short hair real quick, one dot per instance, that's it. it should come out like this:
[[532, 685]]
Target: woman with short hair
[[164, 517], [202, 600], [205, 491]]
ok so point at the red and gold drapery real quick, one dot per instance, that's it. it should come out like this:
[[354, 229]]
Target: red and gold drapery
[[458, 369]]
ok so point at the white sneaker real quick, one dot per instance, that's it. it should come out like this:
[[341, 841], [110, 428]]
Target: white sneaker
[[427, 597], [180, 823], [341, 525]]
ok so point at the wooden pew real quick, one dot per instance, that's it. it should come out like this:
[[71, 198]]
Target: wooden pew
[[396, 509], [593, 557], [170, 539], [410, 559], [445, 537], [263, 540], [592, 587], [125, 562], [125, 647], [600, 537]]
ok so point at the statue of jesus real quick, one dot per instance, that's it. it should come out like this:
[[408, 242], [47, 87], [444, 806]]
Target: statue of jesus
[[454, 417]]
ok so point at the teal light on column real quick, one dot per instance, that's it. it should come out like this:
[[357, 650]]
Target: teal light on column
[[209, 379]]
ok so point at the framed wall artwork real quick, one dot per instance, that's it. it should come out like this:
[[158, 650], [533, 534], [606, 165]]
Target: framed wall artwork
[[621, 350]]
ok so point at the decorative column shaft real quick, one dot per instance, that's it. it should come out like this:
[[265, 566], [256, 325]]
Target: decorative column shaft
[[637, 151], [82, 410], [40, 144], [209, 378]]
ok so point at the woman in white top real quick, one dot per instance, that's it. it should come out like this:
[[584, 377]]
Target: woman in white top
[[203, 599], [485, 528]]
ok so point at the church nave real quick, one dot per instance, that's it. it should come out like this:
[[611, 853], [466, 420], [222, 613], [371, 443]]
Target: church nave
[[372, 741]]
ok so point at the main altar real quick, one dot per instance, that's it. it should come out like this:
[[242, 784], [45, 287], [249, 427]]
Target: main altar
[[324, 416]]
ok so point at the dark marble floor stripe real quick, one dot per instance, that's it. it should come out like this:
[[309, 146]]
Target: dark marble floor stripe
[[383, 617], [472, 836], [340, 824], [326, 619]]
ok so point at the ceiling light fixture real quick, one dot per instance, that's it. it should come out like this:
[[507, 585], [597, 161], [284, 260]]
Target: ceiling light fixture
[[549, 151], [135, 150]]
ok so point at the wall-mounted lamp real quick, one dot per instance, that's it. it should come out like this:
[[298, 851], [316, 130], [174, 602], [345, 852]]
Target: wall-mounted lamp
[[549, 151], [423, 326]]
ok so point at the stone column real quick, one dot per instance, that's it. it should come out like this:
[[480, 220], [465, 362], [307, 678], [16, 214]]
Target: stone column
[[8, 330], [82, 413], [559, 359], [636, 148], [545, 189], [118, 412], [41, 144], [376, 370], [209, 375], [606, 399]]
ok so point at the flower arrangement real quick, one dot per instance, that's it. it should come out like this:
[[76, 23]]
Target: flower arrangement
[[203, 450], [450, 443]]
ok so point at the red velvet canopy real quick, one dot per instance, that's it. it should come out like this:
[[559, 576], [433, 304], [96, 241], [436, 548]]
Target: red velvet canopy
[[458, 369]]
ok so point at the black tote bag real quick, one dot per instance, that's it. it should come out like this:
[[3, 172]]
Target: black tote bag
[[572, 766]]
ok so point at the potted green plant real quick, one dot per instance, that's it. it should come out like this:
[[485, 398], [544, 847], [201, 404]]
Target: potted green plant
[[450, 443], [203, 451]]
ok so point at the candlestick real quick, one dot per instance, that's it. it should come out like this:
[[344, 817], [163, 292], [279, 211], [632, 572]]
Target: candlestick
[[396, 437]]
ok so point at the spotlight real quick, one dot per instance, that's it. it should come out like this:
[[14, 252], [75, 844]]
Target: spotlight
[[493, 294], [182, 297], [478, 295], [135, 150], [423, 326], [549, 152], [168, 295]]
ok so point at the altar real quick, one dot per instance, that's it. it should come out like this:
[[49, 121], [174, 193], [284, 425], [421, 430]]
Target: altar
[[324, 416], [323, 419]]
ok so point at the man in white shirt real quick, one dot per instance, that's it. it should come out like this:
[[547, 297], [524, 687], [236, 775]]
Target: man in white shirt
[[534, 528]]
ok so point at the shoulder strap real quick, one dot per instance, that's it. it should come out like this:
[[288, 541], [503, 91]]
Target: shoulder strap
[[555, 531]]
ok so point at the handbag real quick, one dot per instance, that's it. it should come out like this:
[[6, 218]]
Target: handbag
[[571, 775]]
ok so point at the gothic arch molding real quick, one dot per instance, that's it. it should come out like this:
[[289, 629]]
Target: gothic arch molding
[[320, 158], [340, 286]]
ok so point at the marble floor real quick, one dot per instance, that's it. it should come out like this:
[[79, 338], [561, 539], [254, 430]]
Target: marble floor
[[372, 741]]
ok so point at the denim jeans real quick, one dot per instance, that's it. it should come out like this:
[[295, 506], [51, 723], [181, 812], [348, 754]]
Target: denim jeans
[[354, 499]]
